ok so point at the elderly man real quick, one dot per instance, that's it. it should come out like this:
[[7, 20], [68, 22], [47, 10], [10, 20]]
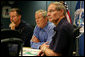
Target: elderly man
[[62, 41], [43, 31]]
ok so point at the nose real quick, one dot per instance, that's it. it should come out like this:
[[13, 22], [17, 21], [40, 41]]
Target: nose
[[37, 21], [48, 14], [11, 18]]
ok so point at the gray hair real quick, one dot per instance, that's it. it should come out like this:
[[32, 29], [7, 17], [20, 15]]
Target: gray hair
[[59, 6], [44, 13]]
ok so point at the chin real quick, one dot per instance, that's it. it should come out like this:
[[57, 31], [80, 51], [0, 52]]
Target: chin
[[38, 25], [50, 20]]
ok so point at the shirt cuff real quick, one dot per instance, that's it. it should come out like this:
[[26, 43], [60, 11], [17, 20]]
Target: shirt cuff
[[36, 45]]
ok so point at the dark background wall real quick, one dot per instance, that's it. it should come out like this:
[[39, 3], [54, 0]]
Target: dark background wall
[[28, 10]]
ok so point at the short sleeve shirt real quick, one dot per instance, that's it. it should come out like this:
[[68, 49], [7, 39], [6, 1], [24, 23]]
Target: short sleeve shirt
[[43, 34]]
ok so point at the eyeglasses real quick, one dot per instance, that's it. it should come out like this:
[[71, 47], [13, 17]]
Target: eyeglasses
[[51, 10], [40, 18]]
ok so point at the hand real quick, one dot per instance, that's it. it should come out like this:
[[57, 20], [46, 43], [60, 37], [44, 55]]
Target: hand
[[12, 25], [41, 54], [44, 46], [35, 39]]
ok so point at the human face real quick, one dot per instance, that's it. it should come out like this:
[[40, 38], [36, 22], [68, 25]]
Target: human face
[[53, 14], [40, 20], [14, 17]]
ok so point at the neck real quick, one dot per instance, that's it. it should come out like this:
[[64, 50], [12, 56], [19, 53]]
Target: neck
[[57, 22], [44, 25]]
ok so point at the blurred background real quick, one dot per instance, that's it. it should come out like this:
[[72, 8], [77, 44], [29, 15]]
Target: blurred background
[[28, 10], [28, 13]]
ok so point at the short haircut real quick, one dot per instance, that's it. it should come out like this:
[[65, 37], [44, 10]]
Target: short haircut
[[17, 10], [44, 13], [59, 6]]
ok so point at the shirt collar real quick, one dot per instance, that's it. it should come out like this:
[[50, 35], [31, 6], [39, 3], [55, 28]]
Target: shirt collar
[[59, 24], [45, 28]]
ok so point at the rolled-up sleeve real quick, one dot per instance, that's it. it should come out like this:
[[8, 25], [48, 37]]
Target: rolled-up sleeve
[[36, 45], [33, 44]]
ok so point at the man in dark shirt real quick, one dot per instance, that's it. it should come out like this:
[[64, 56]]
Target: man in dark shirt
[[20, 26], [26, 31], [62, 42]]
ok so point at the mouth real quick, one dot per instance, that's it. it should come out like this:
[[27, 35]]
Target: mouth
[[49, 17], [38, 23]]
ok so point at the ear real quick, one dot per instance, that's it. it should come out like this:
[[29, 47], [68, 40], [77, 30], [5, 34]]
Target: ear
[[19, 16]]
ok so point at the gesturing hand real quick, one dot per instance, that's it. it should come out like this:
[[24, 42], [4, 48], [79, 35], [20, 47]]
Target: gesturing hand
[[12, 25]]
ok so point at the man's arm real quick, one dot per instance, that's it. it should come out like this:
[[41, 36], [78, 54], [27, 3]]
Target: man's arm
[[47, 51], [35, 42], [35, 39]]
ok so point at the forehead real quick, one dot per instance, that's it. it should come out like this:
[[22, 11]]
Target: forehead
[[13, 13], [51, 6], [38, 14]]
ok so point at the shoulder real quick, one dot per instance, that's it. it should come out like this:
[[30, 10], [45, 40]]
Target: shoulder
[[26, 25], [51, 25], [65, 23], [37, 29], [66, 26]]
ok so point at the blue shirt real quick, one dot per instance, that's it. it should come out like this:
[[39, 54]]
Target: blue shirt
[[43, 35]]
